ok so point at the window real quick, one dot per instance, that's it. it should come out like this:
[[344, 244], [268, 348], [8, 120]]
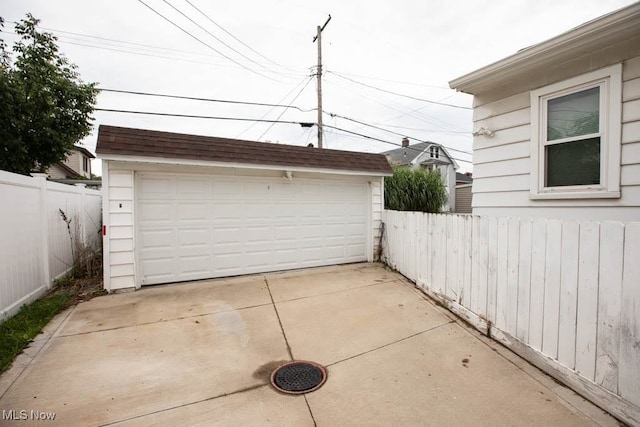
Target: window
[[575, 137], [85, 164], [434, 152]]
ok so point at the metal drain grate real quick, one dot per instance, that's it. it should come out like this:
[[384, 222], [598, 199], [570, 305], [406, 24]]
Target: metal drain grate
[[298, 377]]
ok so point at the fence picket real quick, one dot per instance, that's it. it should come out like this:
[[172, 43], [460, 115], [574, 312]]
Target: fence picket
[[467, 243], [512, 275], [538, 258], [628, 378], [524, 280], [552, 288], [501, 274], [587, 300], [609, 304], [568, 294], [492, 270]]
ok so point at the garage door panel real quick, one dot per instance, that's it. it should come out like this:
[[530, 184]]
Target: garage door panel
[[156, 211], [194, 227], [192, 211], [192, 187], [151, 187], [225, 211], [157, 239], [194, 236], [195, 264]]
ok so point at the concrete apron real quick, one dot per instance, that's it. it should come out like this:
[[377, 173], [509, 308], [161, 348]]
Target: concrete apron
[[201, 354]]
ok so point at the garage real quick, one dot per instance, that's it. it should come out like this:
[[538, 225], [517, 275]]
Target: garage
[[182, 207]]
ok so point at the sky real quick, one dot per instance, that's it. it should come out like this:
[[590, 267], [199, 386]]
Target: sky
[[386, 65]]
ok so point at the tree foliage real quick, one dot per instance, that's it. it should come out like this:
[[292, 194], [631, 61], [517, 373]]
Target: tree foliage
[[46, 107], [414, 190]]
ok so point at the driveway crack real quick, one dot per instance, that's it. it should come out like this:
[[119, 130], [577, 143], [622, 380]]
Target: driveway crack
[[284, 335]]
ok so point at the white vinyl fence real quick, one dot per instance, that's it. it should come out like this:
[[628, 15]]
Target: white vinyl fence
[[35, 246], [564, 295]]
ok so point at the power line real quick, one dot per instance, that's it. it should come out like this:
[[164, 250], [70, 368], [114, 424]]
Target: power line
[[234, 37], [193, 116], [303, 124], [145, 47], [285, 109], [399, 94], [386, 142], [278, 105], [393, 132], [191, 98], [214, 36], [274, 107], [393, 81], [204, 43], [414, 113]]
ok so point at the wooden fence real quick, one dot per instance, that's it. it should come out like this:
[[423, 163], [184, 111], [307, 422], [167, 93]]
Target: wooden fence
[[565, 295], [35, 246]]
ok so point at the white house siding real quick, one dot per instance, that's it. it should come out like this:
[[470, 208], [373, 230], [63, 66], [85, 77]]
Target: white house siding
[[502, 164], [119, 211]]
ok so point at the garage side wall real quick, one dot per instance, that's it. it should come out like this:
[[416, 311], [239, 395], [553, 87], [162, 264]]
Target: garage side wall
[[118, 217], [377, 206]]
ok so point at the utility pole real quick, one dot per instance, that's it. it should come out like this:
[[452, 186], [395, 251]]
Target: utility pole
[[318, 38]]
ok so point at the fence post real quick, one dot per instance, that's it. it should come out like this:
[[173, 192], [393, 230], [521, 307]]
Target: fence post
[[44, 227], [82, 218]]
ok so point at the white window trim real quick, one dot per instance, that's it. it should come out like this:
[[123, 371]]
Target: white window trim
[[611, 118]]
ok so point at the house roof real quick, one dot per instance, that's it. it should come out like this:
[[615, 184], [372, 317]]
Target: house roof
[[460, 177], [84, 151], [70, 173], [124, 143], [406, 155], [617, 26]]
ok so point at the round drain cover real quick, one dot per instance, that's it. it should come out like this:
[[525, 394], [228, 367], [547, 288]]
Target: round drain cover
[[298, 377]]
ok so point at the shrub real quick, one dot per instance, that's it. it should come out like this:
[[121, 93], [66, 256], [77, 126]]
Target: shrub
[[414, 190]]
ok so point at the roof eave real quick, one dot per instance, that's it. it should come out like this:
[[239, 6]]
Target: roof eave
[[237, 165], [588, 36]]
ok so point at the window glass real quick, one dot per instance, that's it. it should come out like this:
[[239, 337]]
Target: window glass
[[574, 115], [573, 163]]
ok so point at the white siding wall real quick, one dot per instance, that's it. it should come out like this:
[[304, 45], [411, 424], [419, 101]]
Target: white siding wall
[[377, 206], [119, 208], [119, 216], [502, 163]]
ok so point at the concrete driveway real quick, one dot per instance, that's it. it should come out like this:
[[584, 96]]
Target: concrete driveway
[[201, 354]]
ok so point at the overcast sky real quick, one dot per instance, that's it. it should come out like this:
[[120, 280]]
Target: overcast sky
[[264, 53]]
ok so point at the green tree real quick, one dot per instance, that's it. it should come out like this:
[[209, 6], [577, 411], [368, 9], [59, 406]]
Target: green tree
[[414, 190], [46, 107]]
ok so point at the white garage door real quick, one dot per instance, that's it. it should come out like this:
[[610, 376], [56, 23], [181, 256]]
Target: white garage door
[[198, 226]]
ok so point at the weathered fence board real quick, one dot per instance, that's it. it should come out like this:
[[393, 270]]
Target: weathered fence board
[[564, 294]]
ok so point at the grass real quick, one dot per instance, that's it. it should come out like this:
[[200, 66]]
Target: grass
[[18, 331]]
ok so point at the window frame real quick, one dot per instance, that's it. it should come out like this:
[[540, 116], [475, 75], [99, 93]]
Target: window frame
[[609, 80]]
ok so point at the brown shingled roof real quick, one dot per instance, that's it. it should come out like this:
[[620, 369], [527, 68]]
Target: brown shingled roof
[[149, 143]]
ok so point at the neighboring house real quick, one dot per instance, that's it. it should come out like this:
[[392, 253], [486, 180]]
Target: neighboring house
[[557, 125], [464, 183], [76, 165], [185, 207], [463, 178], [430, 156]]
